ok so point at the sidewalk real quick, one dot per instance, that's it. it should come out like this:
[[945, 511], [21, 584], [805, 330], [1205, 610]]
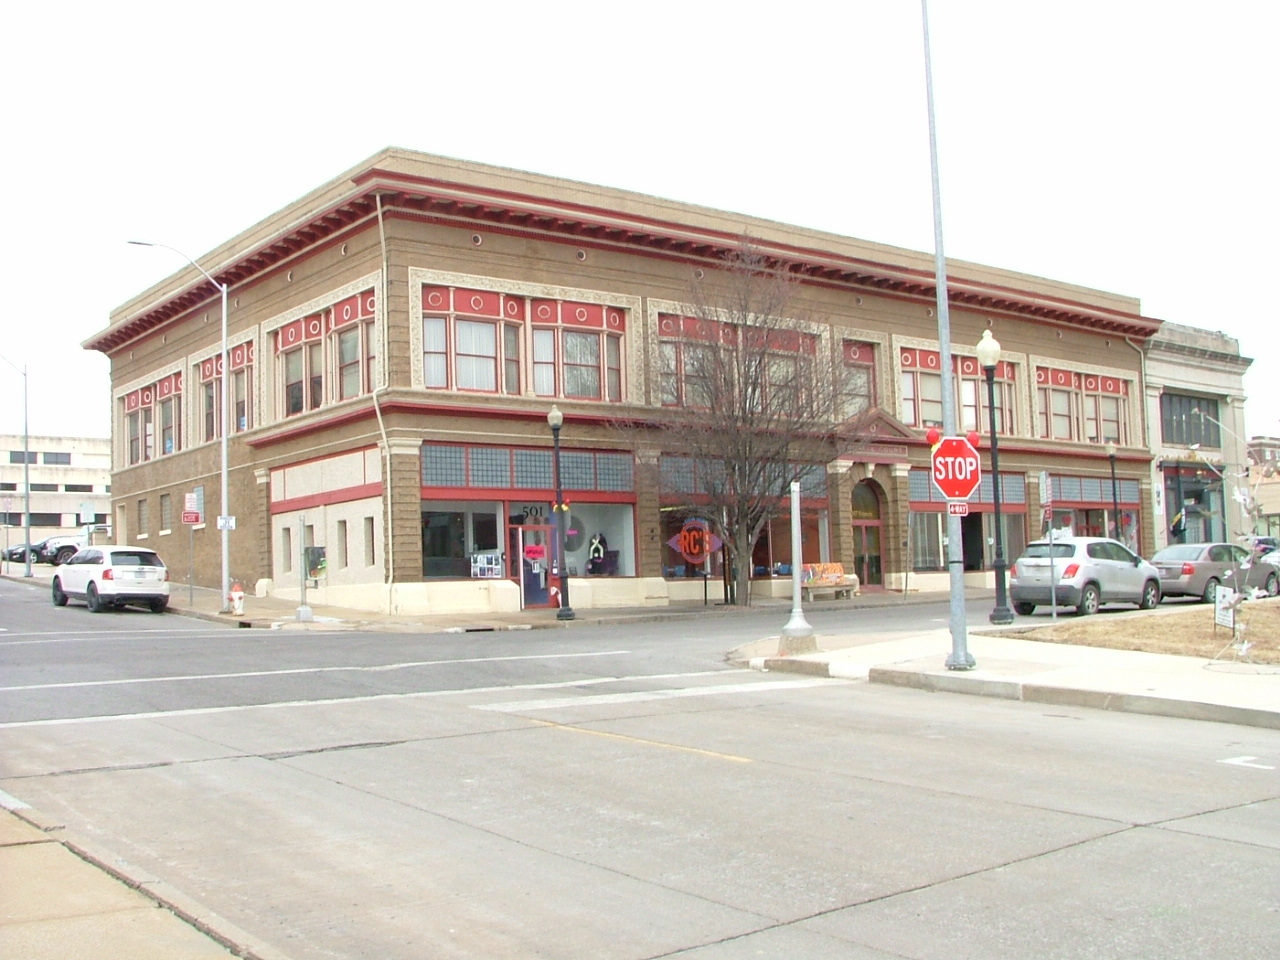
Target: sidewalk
[[1191, 688]]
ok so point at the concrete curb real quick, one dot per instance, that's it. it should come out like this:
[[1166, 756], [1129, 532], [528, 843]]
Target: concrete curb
[[1007, 689], [214, 926]]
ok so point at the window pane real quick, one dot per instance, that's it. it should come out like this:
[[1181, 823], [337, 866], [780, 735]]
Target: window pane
[[315, 374], [581, 382], [434, 360], [544, 365]]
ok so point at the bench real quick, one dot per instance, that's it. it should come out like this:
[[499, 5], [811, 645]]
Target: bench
[[828, 579]]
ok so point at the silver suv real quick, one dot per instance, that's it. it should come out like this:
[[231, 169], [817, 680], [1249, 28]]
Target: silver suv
[[1081, 572], [110, 577]]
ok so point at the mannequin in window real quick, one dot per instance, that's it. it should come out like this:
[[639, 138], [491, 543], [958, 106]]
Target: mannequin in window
[[595, 554]]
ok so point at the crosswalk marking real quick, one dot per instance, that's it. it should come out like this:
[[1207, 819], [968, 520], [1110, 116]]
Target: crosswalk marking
[[640, 696]]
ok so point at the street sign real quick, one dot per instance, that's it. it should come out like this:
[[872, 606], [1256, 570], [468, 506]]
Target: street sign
[[956, 469], [958, 508], [191, 502], [191, 516], [226, 523]]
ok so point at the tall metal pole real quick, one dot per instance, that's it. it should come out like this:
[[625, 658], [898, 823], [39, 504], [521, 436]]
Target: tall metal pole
[[556, 420], [1115, 491], [797, 627], [224, 518], [26, 470], [960, 658], [26, 466], [1001, 614]]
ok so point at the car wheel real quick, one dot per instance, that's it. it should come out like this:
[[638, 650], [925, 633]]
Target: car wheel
[[1150, 596], [63, 555], [159, 606], [1024, 609], [59, 598], [1210, 591], [1090, 600], [1273, 586], [92, 600]]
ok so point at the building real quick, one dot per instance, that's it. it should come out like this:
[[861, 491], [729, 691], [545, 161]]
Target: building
[[398, 335], [70, 481], [1195, 406], [1264, 485]]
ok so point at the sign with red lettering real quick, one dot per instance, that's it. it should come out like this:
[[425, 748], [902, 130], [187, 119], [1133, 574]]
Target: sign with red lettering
[[956, 469], [695, 542]]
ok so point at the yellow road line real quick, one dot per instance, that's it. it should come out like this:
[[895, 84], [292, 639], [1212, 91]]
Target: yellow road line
[[651, 743]]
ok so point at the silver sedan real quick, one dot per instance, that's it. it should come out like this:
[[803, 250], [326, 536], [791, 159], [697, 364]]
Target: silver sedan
[[1198, 569]]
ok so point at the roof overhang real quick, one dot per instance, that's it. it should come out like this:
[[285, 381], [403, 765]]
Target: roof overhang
[[473, 206]]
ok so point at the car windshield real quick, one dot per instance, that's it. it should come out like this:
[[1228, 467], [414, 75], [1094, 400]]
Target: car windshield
[[1182, 552], [135, 558], [1043, 551]]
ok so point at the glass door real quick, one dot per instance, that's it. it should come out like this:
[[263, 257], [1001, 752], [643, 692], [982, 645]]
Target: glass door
[[532, 549]]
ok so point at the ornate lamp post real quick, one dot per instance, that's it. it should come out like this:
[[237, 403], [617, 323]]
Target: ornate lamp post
[[988, 356], [1115, 489], [555, 420]]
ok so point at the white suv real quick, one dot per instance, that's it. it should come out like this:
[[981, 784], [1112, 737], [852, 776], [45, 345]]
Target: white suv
[[110, 577], [1081, 572]]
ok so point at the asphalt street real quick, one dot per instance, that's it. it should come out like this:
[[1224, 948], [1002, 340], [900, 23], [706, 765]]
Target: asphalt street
[[622, 792]]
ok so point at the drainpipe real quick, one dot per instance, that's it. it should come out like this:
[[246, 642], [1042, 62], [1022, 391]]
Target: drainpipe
[[1146, 437], [377, 409]]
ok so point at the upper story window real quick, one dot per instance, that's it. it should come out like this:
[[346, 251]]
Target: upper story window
[[975, 405], [1185, 420], [22, 456], [241, 357], [1086, 407], [922, 392], [478, 341], [153, 420], [326, 357], [703, 362], [921, 385], [858, 389], [56, 459]]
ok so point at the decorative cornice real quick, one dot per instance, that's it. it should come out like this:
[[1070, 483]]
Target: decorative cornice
[[471, 206]]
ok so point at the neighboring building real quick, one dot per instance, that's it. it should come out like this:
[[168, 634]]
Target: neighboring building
[[1195, 404], [1264, 484], [398, 335], [70, 479]]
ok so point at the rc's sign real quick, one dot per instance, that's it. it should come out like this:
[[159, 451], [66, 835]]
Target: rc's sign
[[956, 469]]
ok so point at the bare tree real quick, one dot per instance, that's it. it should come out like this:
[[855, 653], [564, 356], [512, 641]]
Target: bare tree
[[754, 396]]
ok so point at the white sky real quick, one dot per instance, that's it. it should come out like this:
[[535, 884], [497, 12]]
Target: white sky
[[1117, 144]]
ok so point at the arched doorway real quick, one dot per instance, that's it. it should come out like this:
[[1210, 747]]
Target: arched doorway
[[867, 529]]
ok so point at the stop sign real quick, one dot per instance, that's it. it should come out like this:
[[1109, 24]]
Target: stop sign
[[957, 471]]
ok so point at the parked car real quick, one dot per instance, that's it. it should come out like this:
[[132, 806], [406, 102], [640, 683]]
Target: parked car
[[1198, 569], [110, 577], [17, 553], [1081, 572], [55, 550]]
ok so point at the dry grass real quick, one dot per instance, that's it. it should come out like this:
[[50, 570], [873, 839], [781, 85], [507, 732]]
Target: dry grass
[[1184, 630]]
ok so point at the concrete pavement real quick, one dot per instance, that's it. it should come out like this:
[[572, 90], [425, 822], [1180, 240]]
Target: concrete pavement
[[64, 898]]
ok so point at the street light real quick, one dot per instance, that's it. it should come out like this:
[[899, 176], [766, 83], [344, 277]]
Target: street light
[[555, 420], [26, 468], [224, 519], [1115, 490], [988, 356]]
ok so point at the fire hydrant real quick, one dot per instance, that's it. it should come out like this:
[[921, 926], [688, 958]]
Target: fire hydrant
[[236, 596]]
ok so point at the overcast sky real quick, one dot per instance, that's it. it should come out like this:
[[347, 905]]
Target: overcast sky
[[1118, 144]]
